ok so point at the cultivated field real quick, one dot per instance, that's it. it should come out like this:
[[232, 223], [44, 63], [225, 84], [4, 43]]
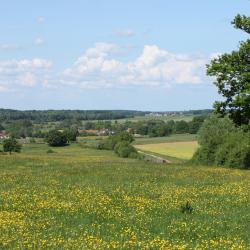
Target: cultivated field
[[182, 150], [79, 198], [170, 138]]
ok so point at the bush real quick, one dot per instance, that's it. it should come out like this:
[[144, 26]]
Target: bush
[[110, 143], [71, 134], [11, 145], [120, 143], [222, 144], [125, 150], [56, 138], [235, 151]]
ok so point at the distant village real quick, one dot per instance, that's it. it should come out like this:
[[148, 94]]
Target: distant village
[[162, 114]]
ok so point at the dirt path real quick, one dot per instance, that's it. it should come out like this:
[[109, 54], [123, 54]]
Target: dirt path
[[154, 158]]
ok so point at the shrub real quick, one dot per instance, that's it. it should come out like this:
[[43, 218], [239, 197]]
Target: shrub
[[212, 134], [125, 150], [235, 151], [222, 144], [120, 143], [56, 138], [110, 143], [71, 134]]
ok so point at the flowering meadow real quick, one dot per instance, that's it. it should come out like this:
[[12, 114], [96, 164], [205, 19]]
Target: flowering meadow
[[78, 198]]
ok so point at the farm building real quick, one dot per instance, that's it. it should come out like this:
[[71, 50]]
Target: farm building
[[4, 135]]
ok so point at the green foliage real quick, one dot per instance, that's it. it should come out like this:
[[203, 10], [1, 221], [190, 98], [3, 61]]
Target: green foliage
[[61, 115], [195, 124], [222, 144], [181, 127], [125, 150], [11, 145], [20, 129], [242, 22], [121, 144], [1, 127], [187, 208], [56, 138], [112, 140], [71, 134], [232, 78], [235, 151]]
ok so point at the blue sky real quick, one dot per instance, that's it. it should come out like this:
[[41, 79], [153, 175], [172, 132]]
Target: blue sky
[[133, 54]]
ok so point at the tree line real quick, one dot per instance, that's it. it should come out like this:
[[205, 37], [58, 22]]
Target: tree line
[[60, 115]]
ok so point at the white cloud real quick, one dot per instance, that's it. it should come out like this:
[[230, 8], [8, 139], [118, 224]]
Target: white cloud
[[99, 67], [39, 41], [154, 67], [125, 33], [24, 72]]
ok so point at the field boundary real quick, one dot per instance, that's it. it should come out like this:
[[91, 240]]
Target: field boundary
[[154, 158]]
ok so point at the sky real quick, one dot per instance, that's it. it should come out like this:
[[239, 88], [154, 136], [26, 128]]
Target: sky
[[131, 54]]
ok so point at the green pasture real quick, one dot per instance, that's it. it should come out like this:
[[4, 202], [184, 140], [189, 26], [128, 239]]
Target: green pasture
[[79, 198], [182, 150], [170, 138]]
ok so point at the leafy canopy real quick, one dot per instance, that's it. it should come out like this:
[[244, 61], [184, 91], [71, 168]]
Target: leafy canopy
[[11, 145], [232, 78]]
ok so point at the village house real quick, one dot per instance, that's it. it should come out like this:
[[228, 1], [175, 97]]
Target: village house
[[4, 135]]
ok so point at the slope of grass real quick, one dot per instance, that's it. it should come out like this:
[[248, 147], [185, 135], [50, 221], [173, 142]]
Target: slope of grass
[[88, 199]]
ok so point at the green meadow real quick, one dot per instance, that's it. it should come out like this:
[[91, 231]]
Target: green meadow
[[181, 150], [79, 198]]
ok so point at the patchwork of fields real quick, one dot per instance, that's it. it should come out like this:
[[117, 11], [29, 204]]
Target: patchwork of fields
[[78, 198]]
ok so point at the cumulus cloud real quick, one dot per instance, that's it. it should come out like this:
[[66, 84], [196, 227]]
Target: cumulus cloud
[[100, 67], [125, 33], [24, 72], [153, 67]]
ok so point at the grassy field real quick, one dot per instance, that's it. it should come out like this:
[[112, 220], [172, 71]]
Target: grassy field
[[170, 138], [80, 198], [182, 150]]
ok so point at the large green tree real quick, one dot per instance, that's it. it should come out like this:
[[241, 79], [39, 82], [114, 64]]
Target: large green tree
[[11, 145], [232, 78], [56, 138]]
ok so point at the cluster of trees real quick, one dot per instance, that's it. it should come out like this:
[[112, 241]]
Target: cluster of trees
[[121, 144], [223, 144], [153, 128], [11, 145], [57, 138], [20, 129], [225, 138]]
